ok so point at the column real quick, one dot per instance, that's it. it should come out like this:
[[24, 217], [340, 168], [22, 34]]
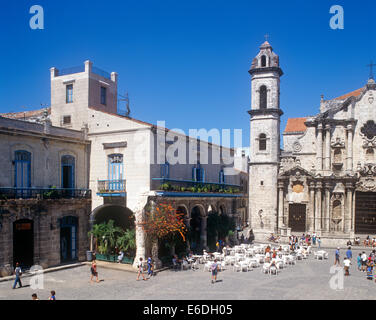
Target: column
[[204, 237], [349, 147], [319, 147], [326, 225], [318, 216], [311, 217], [327, 147], [281, 218], [348, 208]]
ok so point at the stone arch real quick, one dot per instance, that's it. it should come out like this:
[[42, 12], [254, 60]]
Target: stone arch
[[198, 227], [222, 209], [123, 216]]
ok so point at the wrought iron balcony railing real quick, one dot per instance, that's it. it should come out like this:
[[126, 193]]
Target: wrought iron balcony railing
[[166, 184], [111, 187], [44, 193]]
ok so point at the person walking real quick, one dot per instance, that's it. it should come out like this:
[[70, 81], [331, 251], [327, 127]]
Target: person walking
[[347, 263], [349, 253], [314, 238], [18, 273], [150, 267], [52, 296], [214, 270], [359, 261], [364, 261], [319, 242], [337, 257], [369, 265], [94, 272], [140, 270]]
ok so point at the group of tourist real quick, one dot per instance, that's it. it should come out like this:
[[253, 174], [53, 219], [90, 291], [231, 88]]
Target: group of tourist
[[305, 239], [366, 263]]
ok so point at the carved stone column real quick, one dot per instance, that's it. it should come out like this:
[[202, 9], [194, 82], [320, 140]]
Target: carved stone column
[[349, 147], [319, 147], [318, 215], [281, 218], [327, 147], [311, 217], [349, 208], [326, 224]]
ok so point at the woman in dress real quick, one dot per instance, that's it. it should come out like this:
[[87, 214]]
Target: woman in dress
[[94, 272]]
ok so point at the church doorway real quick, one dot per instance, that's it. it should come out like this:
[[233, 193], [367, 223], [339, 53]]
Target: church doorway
[[297, 217], [23, 243], [365, 213]]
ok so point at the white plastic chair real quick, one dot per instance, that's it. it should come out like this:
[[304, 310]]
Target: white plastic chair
[[237, 267], [266, 268], [273, 270], [207, 266]]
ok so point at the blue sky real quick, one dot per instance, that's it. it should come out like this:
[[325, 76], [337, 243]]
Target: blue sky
[[186, 62]]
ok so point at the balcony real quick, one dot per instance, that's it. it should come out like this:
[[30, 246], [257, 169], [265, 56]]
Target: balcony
[[189, 188], [44, 193], [111, 188]]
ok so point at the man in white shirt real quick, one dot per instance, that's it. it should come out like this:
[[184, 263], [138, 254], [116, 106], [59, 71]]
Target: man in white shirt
[[364, 261], [347, 264]]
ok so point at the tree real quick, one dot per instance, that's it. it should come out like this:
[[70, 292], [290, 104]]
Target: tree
[[163, 222]]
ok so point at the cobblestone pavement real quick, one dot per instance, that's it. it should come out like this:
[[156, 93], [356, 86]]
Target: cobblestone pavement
[[308, 279]]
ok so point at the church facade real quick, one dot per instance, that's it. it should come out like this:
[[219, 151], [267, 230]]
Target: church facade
[[323, 180]]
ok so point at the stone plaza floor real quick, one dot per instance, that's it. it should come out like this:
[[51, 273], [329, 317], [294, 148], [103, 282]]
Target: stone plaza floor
[[308, 279]]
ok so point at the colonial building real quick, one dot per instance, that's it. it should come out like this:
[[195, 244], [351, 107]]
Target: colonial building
[[129, 161], [45, 202], [134, 165], [324, 178]]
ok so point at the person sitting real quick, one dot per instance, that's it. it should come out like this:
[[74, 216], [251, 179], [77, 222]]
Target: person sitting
[[357, 241], [184, 263], [120, 256], [366, 241], [349, 243], [267, 256], [175, 262]]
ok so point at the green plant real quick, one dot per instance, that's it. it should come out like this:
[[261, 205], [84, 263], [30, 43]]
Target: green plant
[[105, 235], [126, 241]]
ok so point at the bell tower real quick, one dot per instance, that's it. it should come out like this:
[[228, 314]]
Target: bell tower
[[265, 116]]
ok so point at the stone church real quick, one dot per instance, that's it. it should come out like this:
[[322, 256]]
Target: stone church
[[323, 180]]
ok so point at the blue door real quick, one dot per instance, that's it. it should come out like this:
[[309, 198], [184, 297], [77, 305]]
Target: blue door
[[115, 172], [67, 174], [68, 238], [22, 173]]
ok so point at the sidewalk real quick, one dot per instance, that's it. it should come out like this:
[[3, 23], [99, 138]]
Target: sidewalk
[[28, 274]]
